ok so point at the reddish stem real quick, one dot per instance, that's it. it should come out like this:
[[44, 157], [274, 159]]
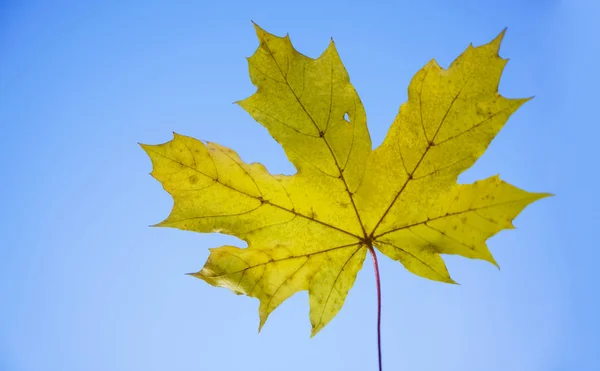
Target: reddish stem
[[378, 282]]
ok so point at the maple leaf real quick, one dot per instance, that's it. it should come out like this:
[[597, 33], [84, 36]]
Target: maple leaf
[[312, 230]]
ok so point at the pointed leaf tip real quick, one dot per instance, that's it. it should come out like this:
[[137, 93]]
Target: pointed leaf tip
[[260, 32], [497, 41]]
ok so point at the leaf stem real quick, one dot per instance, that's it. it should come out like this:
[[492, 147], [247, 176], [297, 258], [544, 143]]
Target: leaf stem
[[378, 282]]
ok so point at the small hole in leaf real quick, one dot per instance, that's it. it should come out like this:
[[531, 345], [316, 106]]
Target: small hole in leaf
[[346, 117]]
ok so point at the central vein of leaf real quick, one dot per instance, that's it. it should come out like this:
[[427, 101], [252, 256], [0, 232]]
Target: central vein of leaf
[[430, 143], [322, 134]]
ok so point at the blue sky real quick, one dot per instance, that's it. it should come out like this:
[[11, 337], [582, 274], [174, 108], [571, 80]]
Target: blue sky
[[86, 285]]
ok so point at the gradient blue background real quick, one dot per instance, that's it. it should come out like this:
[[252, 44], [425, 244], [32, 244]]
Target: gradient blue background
[[86, 285]]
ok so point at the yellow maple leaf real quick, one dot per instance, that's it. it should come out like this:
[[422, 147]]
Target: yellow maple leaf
[[312, 230]]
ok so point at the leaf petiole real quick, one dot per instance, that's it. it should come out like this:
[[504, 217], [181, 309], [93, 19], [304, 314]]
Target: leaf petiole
[[378, 283]]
